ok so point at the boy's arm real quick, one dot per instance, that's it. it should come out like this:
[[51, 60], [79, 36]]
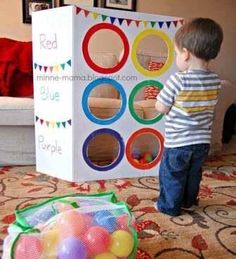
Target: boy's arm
[[160, 107], [166, 97]]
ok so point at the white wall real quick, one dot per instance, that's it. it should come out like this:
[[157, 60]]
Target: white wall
[[223, 11]]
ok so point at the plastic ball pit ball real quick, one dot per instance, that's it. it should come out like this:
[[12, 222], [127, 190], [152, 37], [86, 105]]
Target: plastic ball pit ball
[[105, 256], [105, 219], [123, 222], [72, 223], [148, 157], [50, 240], [28, 247], [71, 248], [97, 240], [122, 243]]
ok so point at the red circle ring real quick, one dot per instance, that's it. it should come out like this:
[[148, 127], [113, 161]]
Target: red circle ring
[[130, 141], [85, 50]]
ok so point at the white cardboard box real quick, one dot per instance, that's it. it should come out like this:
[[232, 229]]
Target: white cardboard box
[[65, 74]]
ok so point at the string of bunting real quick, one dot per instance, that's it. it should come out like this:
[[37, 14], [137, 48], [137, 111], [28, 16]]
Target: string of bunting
[[53, 124], [55, 68], [128, 22]]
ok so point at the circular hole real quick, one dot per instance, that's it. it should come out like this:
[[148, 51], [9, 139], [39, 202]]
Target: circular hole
[[152, 52], [105, 56], [138, 97], [144, 148], [104, 102], [103, 149], [104, 110]]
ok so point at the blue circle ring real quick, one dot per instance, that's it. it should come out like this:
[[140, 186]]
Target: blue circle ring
[[121, 149], [87, 92]]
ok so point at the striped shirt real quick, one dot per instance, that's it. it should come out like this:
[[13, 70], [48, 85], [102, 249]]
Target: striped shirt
[[192, 97]]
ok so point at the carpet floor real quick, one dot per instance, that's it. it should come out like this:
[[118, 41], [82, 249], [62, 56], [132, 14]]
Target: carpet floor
[[207, 232]]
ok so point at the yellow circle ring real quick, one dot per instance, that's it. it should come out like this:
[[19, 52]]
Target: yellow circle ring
[[169, 59]]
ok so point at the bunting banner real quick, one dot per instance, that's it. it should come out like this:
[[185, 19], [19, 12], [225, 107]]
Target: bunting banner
[[128, 22], [54, 68], [54, 124]]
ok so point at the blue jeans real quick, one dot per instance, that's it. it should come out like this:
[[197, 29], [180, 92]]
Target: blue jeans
[[180, 176]]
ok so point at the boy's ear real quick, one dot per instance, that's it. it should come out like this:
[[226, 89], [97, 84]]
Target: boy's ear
[[186, 54]]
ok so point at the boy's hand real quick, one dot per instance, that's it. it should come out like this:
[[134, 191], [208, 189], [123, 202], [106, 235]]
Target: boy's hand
[[161, 108]]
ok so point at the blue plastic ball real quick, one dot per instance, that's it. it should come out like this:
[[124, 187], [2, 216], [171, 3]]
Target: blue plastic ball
[[105, 219]]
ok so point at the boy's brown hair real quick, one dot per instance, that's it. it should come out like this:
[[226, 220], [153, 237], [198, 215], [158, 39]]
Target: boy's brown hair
[[201, 36]]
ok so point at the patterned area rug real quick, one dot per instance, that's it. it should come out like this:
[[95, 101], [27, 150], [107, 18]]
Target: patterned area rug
[[207, 232]]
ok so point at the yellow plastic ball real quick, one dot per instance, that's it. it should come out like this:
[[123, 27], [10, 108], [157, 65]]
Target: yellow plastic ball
[[50, 241], [105, 256], [122, 243]]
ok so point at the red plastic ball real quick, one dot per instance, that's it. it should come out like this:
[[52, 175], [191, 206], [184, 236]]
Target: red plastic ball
[[28, 247], [97, 240], [73, 224]]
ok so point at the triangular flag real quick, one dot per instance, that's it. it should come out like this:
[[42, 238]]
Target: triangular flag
[[86, 13], [58, 124], [145, 23], [56, 68], [35, 65], [182, 21], [52, 124], [78, 9], [168, 24], [51, 69], [104, 17], [95, 16], [175, 23], [40, 68], [47, 122], [69, 122], [69, 62], [36, 118], [160, 24], [64, 124], [45, 68], [128, 21], [153, 24], [120, 20], [63, 66], [41, 121], [112, 19], [137, 22]]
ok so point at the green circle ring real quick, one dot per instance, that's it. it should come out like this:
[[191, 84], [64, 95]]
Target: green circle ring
[[131, 101]]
